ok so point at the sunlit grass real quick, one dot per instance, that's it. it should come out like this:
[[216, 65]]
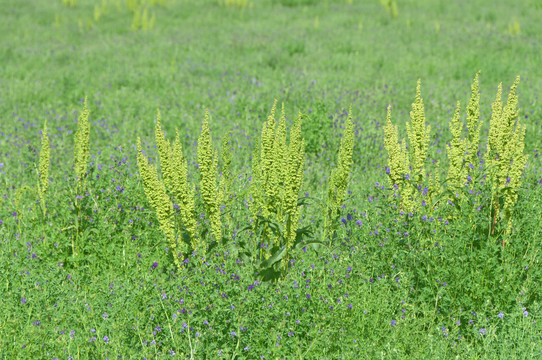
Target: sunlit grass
[[86, 269]]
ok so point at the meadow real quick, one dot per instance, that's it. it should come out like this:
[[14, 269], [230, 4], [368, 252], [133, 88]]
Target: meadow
[[270, 179]]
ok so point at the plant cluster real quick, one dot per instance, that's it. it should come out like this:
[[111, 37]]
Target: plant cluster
[[502, 165]]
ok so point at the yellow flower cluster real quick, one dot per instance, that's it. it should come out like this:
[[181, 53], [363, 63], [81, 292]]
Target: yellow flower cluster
[[69, 3], [82, 146], [175, 176], [505, 156], [390, 6], [340, 176], [142, 20], [262, 189], [175, 183], [277, 175], [404, 168]]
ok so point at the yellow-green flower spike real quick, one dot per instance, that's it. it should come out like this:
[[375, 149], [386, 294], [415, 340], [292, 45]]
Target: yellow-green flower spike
[[505, 153], [395, 155], [226, 178], [164, 151], [418, 135], [279, 172], [456, 152], [82, 146], [494, 126], [184, 194], [434, 186], [43, 168], [267, 150], [407, 194], [208, 169], [473, 122], [155, 191], [340, 177], [277, 177], [293, 180]]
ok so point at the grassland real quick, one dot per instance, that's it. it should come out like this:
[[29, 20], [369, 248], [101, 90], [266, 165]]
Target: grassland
[[94, 276]]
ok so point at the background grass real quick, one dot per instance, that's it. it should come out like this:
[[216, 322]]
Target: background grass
[[317, 57]]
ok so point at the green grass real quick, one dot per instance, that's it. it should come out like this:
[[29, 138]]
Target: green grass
[[388, 286]]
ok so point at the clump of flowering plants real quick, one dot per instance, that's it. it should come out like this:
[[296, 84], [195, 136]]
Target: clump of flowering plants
[[501, 167]]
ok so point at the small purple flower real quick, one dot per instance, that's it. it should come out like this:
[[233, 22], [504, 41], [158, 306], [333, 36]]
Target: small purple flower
[[349, 217], [106, 339], [501, 315], [393, 323], [483, 331], [23, 301], [154, 265], [359, 223]]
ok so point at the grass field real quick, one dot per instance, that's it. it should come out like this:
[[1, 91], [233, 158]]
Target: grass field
[[381, 261]]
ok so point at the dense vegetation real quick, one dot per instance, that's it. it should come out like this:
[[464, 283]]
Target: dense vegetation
[[234, 179]]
